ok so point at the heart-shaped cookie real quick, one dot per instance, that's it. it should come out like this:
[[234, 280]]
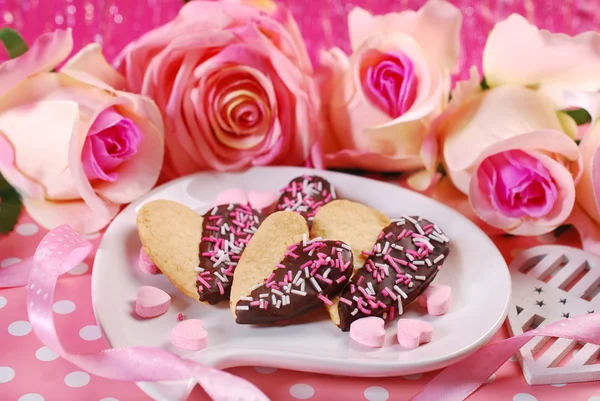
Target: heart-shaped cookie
[[198, 254], [283, 275], [404, 260], [306, 195]]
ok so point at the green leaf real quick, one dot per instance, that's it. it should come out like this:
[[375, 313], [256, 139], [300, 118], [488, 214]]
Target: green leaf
[[484, 85], [581, 116], [10, 206], [13, 42]]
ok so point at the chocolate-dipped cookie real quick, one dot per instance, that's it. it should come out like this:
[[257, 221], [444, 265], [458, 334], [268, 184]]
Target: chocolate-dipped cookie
[[283, 275], [306, 195], [225, 232], [404, 261]]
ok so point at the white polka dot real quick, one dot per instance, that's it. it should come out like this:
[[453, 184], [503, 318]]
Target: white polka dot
[[45, 354], [27, 229], [90, 333], [560, 385], [63, 307], [302, 391], [79, 269], [376, 393], [6, 374], [19, 328], [491, 378], [524, 397], [265, 370], [77, 379], [3, 302], [413, 377], [109, 399], [546, 238], [595, 398], [9, 262], [31, 397]]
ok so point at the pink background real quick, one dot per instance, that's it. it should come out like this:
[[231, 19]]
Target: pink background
[[29, 372]]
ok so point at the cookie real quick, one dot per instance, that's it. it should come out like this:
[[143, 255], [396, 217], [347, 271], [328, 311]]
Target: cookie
[[170, 233], [225, 232], [403, 262], [306, 195], [282, 275]]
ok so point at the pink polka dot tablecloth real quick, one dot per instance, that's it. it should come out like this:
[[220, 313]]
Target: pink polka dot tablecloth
[[32, 372]]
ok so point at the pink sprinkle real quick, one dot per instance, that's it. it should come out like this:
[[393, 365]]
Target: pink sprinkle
[[333, 250], [401, 235], [271, 277], [381, 304], [428, 226], [325, 299], [215, 217], [392, 262], [180, 317], [384, 292], [221, 290], [372, 304], [203, 282], [292, 254], [279, 265], [209, 254], [391, 315], [212, 228], [402, 262], [310, 247], [352, 288], [346, 266], [328, 198], [365, 253], [209, 239], [237, 223], [289, 276], [380, 236], [363, 310], [323, 279], [340, 279], [410, 251], [344, 300], [306, 264], [360, 280], [271, 284], [390, 234], [255, 303], [266, 305], [292, 247], [415, 268]]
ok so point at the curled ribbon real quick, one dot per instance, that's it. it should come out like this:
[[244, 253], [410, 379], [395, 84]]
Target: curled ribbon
[[62, 249]]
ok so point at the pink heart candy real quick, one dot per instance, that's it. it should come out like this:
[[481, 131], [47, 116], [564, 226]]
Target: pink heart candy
[[232, 195], [412, 333], [190, 334], [261, 200], [151, 302], [437, 298], [146, 264], [368, 331]]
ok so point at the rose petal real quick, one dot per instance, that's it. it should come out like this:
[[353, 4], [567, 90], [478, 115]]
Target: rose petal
[[91, 61], [552, 63], [47, 52], [11, 173], [435, 26], [372, 161], [588, 187]]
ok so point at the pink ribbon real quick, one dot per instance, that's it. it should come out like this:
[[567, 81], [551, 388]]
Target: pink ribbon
[[62, 249]]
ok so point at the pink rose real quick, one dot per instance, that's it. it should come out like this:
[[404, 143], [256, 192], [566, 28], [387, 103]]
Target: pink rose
[[75, 147], [510, 148], [379, 102], [233, 83]]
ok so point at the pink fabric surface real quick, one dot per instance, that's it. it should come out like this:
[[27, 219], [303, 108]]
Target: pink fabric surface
[[23, 360]]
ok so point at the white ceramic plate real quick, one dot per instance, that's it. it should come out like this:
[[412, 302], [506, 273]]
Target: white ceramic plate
[[475, 270]]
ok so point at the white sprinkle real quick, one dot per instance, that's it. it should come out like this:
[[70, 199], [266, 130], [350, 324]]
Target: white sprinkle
[[242, 307], [369, 292], [297, 277], [422, 278], [302, 285], [419, 263], [354, 297], [302, 209], [250, 230], [411, 285], [435, 238], [222, 278], [327, 272], [287, 299], [386, 247], [306, 272], [428, 262], [226, 246], [198, 269], [378, 247], [424, 241], [410, 257], [328, 259], [230, 207], [354, 312], [315, 284], [254, 287], [437, 229], [246, 299], [262, 304], [397, 221], [311, 252], [399, 291], [303, 239], [346, 247], [408, 275], [400, 308], [419, 229], [438, 258], [299, 292], [278, 304], [384, 315], [410, 219], [256, 220], [320, 185], [397, 247], [214, 211], [287, 288], [274, 291], [315, 240], [371, 287], [386, 270], [263, 296], [332, 190], [420, 218], [223, 230]]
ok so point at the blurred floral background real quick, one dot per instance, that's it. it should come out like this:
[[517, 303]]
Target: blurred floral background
[[323, 22]]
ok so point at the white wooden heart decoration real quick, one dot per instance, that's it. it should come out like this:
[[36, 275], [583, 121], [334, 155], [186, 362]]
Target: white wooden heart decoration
[[552, 282]]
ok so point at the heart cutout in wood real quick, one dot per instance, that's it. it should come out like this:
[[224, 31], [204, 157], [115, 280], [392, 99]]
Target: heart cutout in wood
[[405, 259], [282, 275]]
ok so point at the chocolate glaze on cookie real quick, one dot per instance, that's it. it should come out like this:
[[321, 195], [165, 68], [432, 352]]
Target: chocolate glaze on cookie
[[309, 274], [405, 259], [226, 229], [306, 195]]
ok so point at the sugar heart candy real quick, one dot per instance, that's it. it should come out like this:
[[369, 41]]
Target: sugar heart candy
[[412, 333], [437, 298], [190, 334], [368, 331], [151, 302]]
